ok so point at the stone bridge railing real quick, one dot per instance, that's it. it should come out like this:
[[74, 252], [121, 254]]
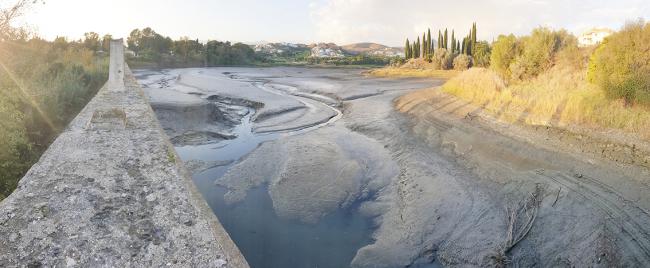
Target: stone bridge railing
[[111, 191]]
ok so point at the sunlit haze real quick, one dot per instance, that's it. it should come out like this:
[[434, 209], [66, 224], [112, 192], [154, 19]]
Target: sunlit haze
[[339, 21]]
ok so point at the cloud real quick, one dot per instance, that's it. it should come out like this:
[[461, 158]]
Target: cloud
[[389, 21]]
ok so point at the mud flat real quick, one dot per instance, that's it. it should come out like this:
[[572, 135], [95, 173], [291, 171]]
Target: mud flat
[[330, 168]]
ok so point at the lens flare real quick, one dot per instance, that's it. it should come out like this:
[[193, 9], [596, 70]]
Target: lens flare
[[25, 93]]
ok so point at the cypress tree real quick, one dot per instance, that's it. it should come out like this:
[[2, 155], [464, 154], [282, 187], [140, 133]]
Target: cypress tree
[[445, 42], [453, 42], [439, 39], [473, 36], [407, 50], [417, 48], [429, 42], [462, 48], [424, 45], [457, 45]]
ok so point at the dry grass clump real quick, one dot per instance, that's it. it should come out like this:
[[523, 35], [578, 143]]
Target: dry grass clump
[[403, 72], [558, 97], [415, 68]]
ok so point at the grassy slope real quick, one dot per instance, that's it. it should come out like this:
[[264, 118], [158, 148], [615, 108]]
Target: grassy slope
[[559, 97], [408, 72]]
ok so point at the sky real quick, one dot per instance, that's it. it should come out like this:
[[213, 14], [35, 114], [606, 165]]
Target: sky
[[387, 22]]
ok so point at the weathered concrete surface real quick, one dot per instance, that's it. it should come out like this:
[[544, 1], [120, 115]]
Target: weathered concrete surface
[[111, 192]]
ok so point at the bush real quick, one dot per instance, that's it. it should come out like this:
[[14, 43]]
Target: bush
[[462, 62], [14, 144], [443, 59], [538, 52], [504, 52], [527, 57], [481, 54], [621, 65]]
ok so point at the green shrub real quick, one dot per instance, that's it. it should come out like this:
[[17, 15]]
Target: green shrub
[[538, 52], [43, 85], [481, 54], [443, 59], [526, 57], [504, 51], [462, 62], [621, 65]]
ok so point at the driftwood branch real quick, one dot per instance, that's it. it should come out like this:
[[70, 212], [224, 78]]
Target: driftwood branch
[[520, 222]]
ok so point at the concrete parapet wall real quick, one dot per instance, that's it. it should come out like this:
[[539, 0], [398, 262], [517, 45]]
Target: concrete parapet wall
[[111, 192]]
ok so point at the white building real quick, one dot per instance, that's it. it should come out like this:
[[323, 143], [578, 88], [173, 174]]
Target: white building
[[594, 36]]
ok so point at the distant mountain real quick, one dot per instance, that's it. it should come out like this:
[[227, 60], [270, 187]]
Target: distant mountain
[[373, 49]]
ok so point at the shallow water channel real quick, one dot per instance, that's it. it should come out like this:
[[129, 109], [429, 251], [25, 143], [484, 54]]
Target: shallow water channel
[[265, 239]]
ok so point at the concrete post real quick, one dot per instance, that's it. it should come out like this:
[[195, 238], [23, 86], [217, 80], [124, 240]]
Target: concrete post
[[116, 69]]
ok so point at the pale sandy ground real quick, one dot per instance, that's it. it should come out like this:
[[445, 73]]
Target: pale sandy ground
[[436, 175]]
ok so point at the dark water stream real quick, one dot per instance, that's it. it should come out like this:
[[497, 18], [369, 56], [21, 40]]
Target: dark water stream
[[265, 239]]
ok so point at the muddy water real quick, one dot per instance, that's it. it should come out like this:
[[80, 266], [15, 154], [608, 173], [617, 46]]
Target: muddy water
[[265, 239]]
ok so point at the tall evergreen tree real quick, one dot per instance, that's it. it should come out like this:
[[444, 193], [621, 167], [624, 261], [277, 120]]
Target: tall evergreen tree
[[474, 36], [445, 42], [429, 42], [417, 48], [439, 39], [462, 48], [407, 49], [424, 45], [457, 46], [453, 42]]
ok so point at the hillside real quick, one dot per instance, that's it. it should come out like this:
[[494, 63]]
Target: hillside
[[372, 49]]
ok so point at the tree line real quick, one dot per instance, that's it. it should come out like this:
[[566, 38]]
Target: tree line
[[425, 47], [447, 52], [152, 48]]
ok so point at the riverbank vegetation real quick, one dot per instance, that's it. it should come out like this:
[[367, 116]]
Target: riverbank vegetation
[[43, 85], [442, 58], [446, 53], [545, 78], [149, 49]]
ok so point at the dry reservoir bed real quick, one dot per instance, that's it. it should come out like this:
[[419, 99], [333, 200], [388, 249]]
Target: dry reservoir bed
[[313, 167]]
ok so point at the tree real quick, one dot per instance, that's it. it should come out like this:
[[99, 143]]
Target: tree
[[440, 39], [429, 42], [133, 41], [445, 43], [417, 48], [91, 41], [621, 64], [453, 42], [60, 43], [8, 15], [538, 52], [106, 42], [482, 54], [223, 53], [424, 45], [463, 48], [473, 36], [407, 49], [504, 52]]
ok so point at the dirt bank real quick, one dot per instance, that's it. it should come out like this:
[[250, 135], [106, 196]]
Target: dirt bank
[[593, 205]]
